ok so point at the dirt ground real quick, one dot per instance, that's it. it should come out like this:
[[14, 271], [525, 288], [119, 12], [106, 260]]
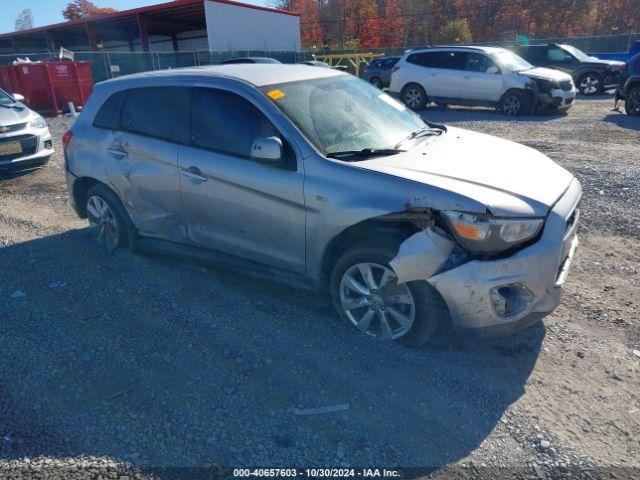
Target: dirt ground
[[121, 364]]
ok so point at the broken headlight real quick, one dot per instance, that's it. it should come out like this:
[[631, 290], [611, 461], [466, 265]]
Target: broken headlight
[[488, 234]]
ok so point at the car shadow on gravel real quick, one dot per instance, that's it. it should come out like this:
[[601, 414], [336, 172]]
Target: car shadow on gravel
[[160, 363], [624, 121]]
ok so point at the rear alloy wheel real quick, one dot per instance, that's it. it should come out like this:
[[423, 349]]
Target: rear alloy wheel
[[632, 102], [376, 82], [108, 219], [590, 84], [414, 96], [103, 220]]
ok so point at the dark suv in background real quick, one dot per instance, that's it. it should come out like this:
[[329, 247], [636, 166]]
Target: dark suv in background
[[378, 72], [629, 89], [591, 75]]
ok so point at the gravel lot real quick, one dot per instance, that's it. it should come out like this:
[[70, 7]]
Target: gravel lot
[[117, 365]]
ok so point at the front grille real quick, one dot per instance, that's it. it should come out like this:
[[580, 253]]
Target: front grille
[[566, 85], [12, 128], [29, 145]]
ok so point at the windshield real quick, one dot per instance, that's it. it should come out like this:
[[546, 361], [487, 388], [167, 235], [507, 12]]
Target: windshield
[[509, 61], [579, 54], [344, 113], [5, 99]]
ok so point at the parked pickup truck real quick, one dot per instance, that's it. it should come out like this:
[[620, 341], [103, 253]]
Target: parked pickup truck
[[620, 56]]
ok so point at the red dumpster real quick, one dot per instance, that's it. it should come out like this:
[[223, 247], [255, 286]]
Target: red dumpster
[[49, 86]]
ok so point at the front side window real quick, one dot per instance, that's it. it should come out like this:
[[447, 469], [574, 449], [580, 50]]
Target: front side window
[[226, 122], [344, 113], [559, 55], [161, 112], [478, 63]]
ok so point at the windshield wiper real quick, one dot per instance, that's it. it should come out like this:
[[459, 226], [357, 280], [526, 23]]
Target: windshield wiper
[[365, 152], [422, 132]]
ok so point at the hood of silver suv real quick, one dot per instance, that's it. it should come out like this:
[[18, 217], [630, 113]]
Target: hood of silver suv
[[509, 178], [546, 74]]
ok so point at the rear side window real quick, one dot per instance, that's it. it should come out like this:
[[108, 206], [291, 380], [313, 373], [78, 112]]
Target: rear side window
[[225, 122], [109, 114], [161, 112], [446, 60]]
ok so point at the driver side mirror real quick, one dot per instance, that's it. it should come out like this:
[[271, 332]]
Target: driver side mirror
[[493, 70], [267, 150], [18, 97]]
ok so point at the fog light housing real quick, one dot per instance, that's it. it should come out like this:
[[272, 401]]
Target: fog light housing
[[510, 300], [48, 144]]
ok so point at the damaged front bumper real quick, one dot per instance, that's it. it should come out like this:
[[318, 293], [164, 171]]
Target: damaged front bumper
[[556, 99], [507, 294]]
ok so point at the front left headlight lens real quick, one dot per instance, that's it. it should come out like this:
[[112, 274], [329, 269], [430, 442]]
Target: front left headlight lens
[[38, 122], [488, 234]]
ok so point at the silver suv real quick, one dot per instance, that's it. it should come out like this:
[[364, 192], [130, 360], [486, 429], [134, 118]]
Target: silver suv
[[315, 177], [488, 76]]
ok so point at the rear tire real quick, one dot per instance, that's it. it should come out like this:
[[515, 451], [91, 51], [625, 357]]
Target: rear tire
[[515, 103], [632, 102], [106, 214], [414, 96], [376, 82], [412, 311]]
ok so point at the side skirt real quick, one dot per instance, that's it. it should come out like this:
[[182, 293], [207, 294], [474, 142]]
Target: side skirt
[[213, 257]]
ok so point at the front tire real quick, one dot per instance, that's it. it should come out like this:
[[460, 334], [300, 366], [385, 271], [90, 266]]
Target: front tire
[[365, 293], [632, 102], [515, 103], [590, 84], [414, 96], [108, 218]]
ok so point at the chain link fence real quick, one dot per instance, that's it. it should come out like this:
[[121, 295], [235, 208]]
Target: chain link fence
[[106, 65]]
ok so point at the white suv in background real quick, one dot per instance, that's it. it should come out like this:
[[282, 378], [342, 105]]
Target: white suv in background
[[487, 76]]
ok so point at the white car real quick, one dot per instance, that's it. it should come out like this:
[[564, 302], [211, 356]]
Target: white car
[[487, 76], [25, 141]]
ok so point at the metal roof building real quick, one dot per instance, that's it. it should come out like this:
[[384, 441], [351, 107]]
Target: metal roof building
[[180, 25]]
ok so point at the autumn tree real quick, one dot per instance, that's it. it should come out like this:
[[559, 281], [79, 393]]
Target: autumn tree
[[455, 31], [24, 20], [310, 29], [84, 8]]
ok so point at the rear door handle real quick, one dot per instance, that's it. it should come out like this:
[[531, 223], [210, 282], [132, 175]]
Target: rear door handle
[[117, 153], [467, 77], [194, 173]]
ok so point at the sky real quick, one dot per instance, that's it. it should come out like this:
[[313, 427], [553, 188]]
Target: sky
[[46, 12]]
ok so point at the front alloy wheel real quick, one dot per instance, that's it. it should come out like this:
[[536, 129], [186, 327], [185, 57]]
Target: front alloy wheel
[[374, 302], [589, 84], [103, 220], [511, 106]]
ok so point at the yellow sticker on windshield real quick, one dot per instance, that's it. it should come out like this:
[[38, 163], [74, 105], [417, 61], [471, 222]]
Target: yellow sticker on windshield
[[276, 94]]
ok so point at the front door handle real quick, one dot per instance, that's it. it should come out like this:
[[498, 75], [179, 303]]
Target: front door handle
[[467, 77], [117, 153], [194, 173]]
